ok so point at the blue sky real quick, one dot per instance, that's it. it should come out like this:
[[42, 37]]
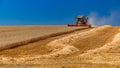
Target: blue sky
[[58, 12]]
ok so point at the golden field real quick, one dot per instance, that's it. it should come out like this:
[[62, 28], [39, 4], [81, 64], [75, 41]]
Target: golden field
[[20, 35], [59, 47]]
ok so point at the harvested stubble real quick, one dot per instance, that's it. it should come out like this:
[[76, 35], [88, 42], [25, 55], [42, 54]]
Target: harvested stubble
[[86, 43], [70, 40], [16, 36], [109, 53]]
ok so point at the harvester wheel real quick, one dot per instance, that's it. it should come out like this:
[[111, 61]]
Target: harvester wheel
[[90, 26]]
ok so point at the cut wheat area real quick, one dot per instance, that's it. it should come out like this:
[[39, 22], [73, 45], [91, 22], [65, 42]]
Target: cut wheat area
[[59, 47]]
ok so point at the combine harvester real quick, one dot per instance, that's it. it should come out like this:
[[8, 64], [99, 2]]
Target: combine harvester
[[82, 21]]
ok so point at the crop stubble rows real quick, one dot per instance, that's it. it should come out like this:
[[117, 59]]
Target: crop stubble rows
[[85, 41]]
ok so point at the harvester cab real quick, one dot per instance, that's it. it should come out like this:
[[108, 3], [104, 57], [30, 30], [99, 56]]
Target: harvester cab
[[81, 21]]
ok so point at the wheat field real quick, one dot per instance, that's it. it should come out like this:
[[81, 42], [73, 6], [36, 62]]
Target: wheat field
[[59, 47], [15, 36]]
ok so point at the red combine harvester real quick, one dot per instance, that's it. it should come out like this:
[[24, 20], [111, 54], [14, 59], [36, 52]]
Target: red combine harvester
[[81, 21]]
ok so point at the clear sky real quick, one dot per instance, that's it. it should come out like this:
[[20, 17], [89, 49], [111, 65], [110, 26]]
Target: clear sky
[[58, 12]]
